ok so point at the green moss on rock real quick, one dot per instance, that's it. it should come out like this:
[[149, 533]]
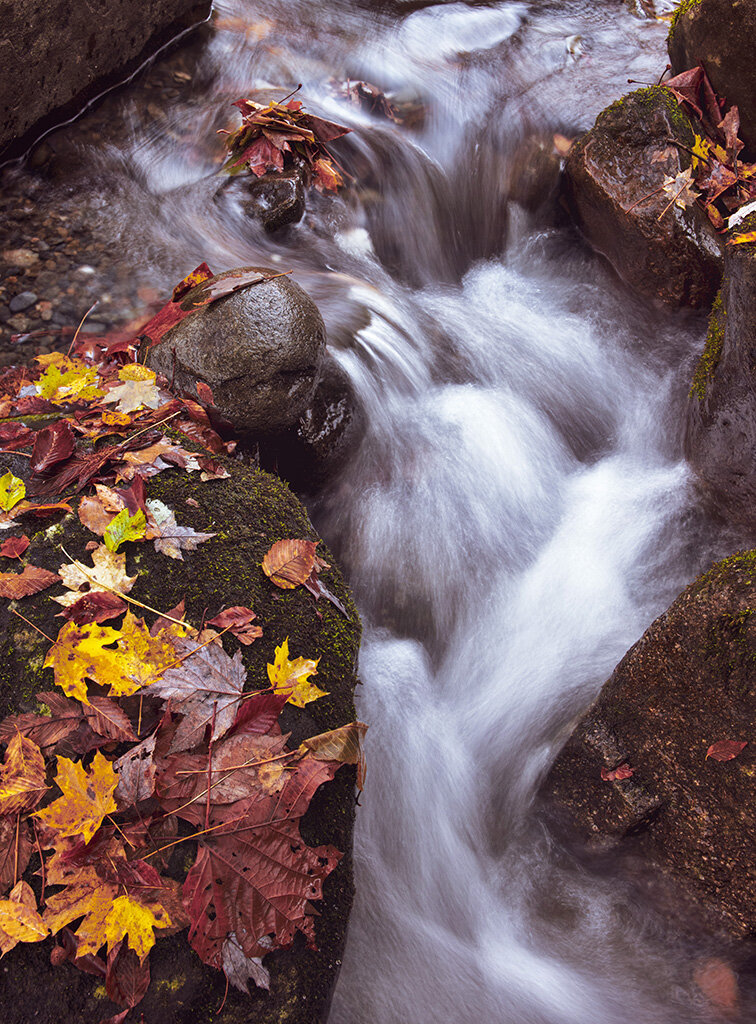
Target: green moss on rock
[[712, 352], [683, 8]]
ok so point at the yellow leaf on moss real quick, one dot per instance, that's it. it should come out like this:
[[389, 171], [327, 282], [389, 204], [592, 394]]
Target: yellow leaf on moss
[[700, 152], [137, 921], [125, 527], [743, 239], [294, 676], [12, 490], [19, 919], [87, 798], [86, 652], [22, 776]]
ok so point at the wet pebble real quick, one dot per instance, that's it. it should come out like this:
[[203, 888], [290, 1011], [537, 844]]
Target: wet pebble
[[22, 301]]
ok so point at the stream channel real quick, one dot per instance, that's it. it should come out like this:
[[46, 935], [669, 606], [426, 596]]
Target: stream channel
[[518, 511]]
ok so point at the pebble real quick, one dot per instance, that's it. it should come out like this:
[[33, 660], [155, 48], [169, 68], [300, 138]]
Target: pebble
[[20, 257], [21, 302]]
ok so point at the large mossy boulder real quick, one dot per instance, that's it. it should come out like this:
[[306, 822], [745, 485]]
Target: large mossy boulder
[[720, 35], [615, 177], [720, 428], [687, 684], [248, 512], [56, 56]]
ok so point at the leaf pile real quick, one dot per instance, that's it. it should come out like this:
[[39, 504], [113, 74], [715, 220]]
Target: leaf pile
[[151, 737], [280, 136], [724, 181]]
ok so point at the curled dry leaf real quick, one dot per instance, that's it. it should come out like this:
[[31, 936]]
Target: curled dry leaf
[[726, 750], [16, 585], [289, 563], [624, 771], [238, 620], [343, 744]]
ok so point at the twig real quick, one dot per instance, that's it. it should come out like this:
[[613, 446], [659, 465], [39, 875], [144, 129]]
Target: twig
[[210, 765], [18, 837], [42, 860], [33, 626], [81, 324], [194, 835], [644, 198], [673, 200]]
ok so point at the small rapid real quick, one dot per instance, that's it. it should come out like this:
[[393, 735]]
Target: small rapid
[[518, 511]]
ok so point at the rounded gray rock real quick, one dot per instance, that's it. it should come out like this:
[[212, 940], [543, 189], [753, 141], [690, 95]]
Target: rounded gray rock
[[260, 350]]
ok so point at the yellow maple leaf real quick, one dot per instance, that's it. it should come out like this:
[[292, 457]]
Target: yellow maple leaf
[[137, 391], [69, 380], [87, 798], [90, 900], [700, 152], [129, 917], [108, 572], [19, 919], [86, 652], [294, 676], [22, 776]]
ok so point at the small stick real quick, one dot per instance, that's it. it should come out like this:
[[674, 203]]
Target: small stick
[[644, 198], [42, 860], [18, 837], [33, 626], [673, 200], [210, 765], [81, 324]]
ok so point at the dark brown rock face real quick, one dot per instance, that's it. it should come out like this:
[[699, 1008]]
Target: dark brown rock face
[[721, 35], [259, 349], [688, 683], [624, 160], [720, 430], [55, 56]]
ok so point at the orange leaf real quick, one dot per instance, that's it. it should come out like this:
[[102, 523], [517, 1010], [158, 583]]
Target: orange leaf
[[22, 777], [726, 750], [289, 562], [14, 547], [624, 771], [717, 981], [742, 239], [21, 584], [87, 798]]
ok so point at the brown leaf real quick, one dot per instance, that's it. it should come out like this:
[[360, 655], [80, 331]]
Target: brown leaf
[[108, 719], [289, 562], [204, 393], [136, 773], [14, 547], [53, 444], [343, 745], [46, 730], [127, 978], [16, 845], [624, 771], [718, 982], [22, 776], [99, 606], [33, 579], [238, 619], [726, 750]]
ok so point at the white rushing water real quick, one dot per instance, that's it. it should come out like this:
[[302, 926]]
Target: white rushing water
[[519, 510]]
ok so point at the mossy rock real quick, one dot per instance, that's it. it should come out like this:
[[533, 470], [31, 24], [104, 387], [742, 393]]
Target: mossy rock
[[689, 682], [720, 426], [614, 186], [248, 512]]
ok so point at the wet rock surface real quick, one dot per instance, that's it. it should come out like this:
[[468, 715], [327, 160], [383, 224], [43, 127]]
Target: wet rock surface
[[686, 684], [720, 428], [275, 199], [248, 512], [40, 83], [260, 351], [721, 35], [614, 188]]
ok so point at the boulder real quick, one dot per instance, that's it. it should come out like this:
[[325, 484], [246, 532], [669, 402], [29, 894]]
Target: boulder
[[685, 685], [721, 35], [56, 56], [275, 199], [259, 349], [614, 180], [248, 512], [720, 429]]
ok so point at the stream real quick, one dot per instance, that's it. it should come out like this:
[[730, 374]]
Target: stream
[[518, 511]]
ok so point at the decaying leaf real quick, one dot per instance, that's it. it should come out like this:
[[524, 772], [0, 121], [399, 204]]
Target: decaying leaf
[[726, 750], [127, 977], [22, 776], [108, 573], [59, 719], [16, 585], [12, 490], [681, 189], [14, 547], [343, 745], [624, 771], [289, 562], [138, 391], [169, 538], [125, 527], [87, 798], [16, 845], [136, 773], [293, 677], [19, 920], [239, 969], [238, 620]]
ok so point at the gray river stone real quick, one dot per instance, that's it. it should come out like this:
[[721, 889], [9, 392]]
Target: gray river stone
[[260, 350]]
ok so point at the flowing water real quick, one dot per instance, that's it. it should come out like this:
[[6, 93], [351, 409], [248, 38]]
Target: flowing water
[[518, 511]]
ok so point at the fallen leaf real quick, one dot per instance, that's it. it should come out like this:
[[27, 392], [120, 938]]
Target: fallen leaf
[[16, 585], [135, 921], [238, 620], [719, 983], [343, 745], [125, 527], [136, 773], [204, 393], [99, 606], [169, 538], [57, 720], [624, 771], [12, 490], [19, 920], [87, 798], [726, 750], [53, 444], [680, 189], [16, 845], [127, 978], [744, 238], [22, 776], [293, 677], [138, 391], [14, 547], [239, 968], [197, 276], [108, 572], [68, 380], [289, 562]]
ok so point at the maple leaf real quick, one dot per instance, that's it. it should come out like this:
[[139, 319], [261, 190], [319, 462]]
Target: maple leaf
[[700, 152], [12, 490], [207, 676], [87, 798], [138, 391], [14, 547], [239, 968], [744, 238], [68, 380], [135, 921], [289, 562], [726, 750], [238, 620], [52, 445], [22, 776], [86, 896], [169, 538], [16, 585], [125, 527], [85, 652], [19, 920], [108, 573], [293, 677], [680, 189], [16, 845]]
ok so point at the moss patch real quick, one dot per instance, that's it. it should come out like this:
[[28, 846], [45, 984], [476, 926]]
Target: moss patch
[[707, 364], [683, 8]]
